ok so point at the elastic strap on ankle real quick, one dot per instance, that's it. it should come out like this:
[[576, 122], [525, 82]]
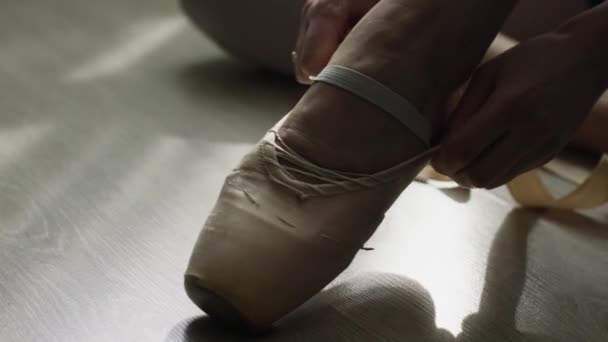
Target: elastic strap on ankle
[[378, 94]]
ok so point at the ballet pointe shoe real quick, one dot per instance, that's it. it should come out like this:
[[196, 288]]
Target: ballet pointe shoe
[[281, 230]]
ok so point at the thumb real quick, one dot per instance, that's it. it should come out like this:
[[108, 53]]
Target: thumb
[[323, 27]]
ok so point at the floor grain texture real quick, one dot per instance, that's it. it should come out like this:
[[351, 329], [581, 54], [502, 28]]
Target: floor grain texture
[[118, 123]]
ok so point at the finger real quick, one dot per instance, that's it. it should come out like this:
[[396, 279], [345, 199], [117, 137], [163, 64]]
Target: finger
[[465, 144], [494, 162], [532, 160], [470, 96], [294, 54], [324, 24], [468, 130], [463, 180], [360, 8], [477, 92]]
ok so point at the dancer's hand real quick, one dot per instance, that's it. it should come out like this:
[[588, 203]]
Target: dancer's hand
[[323, 26], [519, 110]]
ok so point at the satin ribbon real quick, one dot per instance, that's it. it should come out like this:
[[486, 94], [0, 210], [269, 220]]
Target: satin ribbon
[[529, 190]]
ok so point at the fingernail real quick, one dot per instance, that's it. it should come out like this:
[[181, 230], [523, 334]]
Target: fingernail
[[301, 77], [463, 181], [465, 185], [438, 162]]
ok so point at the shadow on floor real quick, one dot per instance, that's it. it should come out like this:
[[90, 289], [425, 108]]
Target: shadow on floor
[[363, 308], [578, 224], [388, 307], [237, 97], [458, 194], [236, 81]]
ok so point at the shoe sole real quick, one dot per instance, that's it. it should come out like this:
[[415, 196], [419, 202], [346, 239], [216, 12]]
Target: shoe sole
[[218, 307]]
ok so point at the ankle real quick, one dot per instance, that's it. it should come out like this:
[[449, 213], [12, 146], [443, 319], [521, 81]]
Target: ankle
[[335, 129], [395, 45]]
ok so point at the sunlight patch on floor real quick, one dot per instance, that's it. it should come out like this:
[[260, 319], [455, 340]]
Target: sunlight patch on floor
[[140, 40]]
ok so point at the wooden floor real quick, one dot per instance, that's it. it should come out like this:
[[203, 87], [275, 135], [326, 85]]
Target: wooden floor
[[117, 124]]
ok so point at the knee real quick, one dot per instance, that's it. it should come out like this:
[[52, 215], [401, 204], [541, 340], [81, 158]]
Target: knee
[[261, 32]]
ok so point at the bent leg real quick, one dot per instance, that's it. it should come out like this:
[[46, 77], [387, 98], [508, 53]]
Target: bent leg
[[262, 32]]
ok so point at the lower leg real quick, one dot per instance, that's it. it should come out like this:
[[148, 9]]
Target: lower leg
[[261, 32], [413, 47]]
